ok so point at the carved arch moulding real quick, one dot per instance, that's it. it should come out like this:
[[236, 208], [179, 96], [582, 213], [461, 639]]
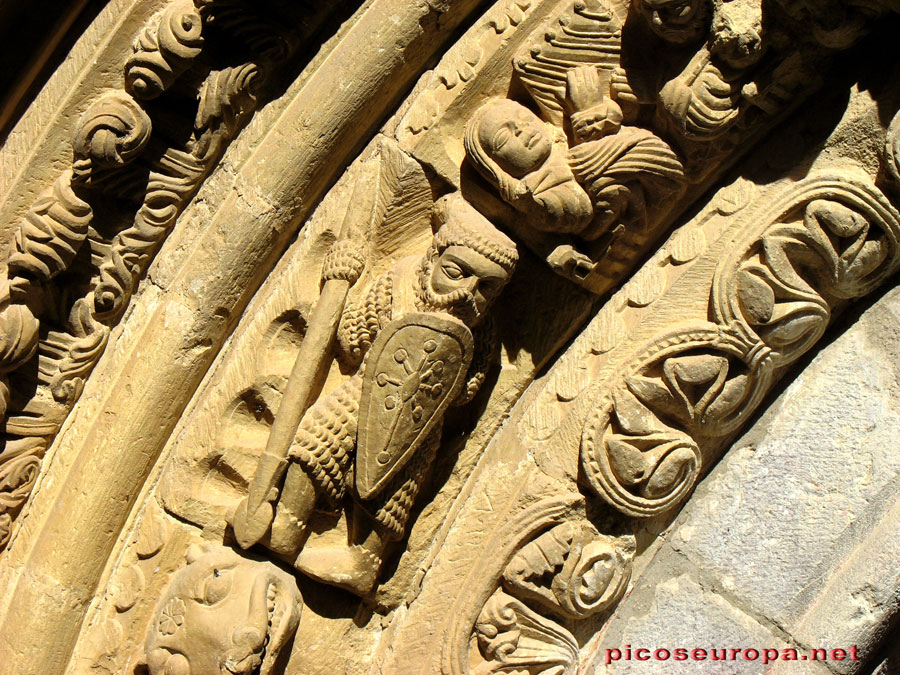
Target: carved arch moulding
[[390, 337]]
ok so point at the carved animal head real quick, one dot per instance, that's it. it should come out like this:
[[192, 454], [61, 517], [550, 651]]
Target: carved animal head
[[468, 264], [677, 21], [222, 615], [733, 28], [736, 36]]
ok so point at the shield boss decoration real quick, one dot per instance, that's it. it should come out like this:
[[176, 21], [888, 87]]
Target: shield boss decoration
[[416, 368]]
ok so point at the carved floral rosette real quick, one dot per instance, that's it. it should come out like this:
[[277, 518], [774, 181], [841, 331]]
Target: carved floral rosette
[[829, 239], [641, 444]]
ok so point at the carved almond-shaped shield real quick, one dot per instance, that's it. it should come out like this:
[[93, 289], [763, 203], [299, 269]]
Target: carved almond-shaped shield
[[416, 368]]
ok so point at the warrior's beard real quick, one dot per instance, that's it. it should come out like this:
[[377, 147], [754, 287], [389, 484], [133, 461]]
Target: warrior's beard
[[459, 303]]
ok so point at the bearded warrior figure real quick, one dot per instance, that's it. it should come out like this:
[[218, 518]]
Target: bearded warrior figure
[[422, 341]]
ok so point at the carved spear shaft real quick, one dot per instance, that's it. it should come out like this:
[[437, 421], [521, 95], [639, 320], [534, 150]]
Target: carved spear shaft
[[255, 513]]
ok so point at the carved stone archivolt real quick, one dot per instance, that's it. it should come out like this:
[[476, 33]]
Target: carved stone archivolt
[[411, 408]]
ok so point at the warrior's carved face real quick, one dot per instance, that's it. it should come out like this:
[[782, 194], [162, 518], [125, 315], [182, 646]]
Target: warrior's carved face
[[677, 21], [514, 137], [463, 272], [222, 614]]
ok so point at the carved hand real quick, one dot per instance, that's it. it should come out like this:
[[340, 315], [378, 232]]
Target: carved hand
[[344, 260], [620, 88], [585, 87]]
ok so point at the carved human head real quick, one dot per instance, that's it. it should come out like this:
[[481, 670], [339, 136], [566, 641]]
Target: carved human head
[[504, 140], [468, 263], [222, 614], [677, 21]]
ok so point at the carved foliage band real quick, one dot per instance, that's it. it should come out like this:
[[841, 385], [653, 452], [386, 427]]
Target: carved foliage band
[[113, 132], [828, 239]]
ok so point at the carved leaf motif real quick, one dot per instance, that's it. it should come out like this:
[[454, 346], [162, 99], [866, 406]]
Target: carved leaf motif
[[785, 318], [571, 570], [735, 197], [49, 236], [782, 287], [687, 245], [152, 534], [68, 357], [227, 99], [513, 638], [855, 249], [128, 588], [20, 464], [639, 447], [606, 330], [646, 287], [171, 184]]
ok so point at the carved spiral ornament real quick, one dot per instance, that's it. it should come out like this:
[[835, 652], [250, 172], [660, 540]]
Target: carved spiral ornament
[[110, 133], [164, 51]]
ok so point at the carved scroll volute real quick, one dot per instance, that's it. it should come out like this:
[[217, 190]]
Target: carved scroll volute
[[641, 447], [570, 571], [514, 638], [831, 238], [164, 51], [110, 133]]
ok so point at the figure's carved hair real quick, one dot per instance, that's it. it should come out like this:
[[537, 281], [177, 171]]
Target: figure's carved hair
[[458, 223]]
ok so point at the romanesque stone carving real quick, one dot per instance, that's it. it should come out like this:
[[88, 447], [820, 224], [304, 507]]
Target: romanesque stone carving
[[613, 177], [393, 379], [163, 51], [638, 451], [108, 142], [373, 438], [513, 637], [783, 286], [773, 296], [222, 613], [571, 570]]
